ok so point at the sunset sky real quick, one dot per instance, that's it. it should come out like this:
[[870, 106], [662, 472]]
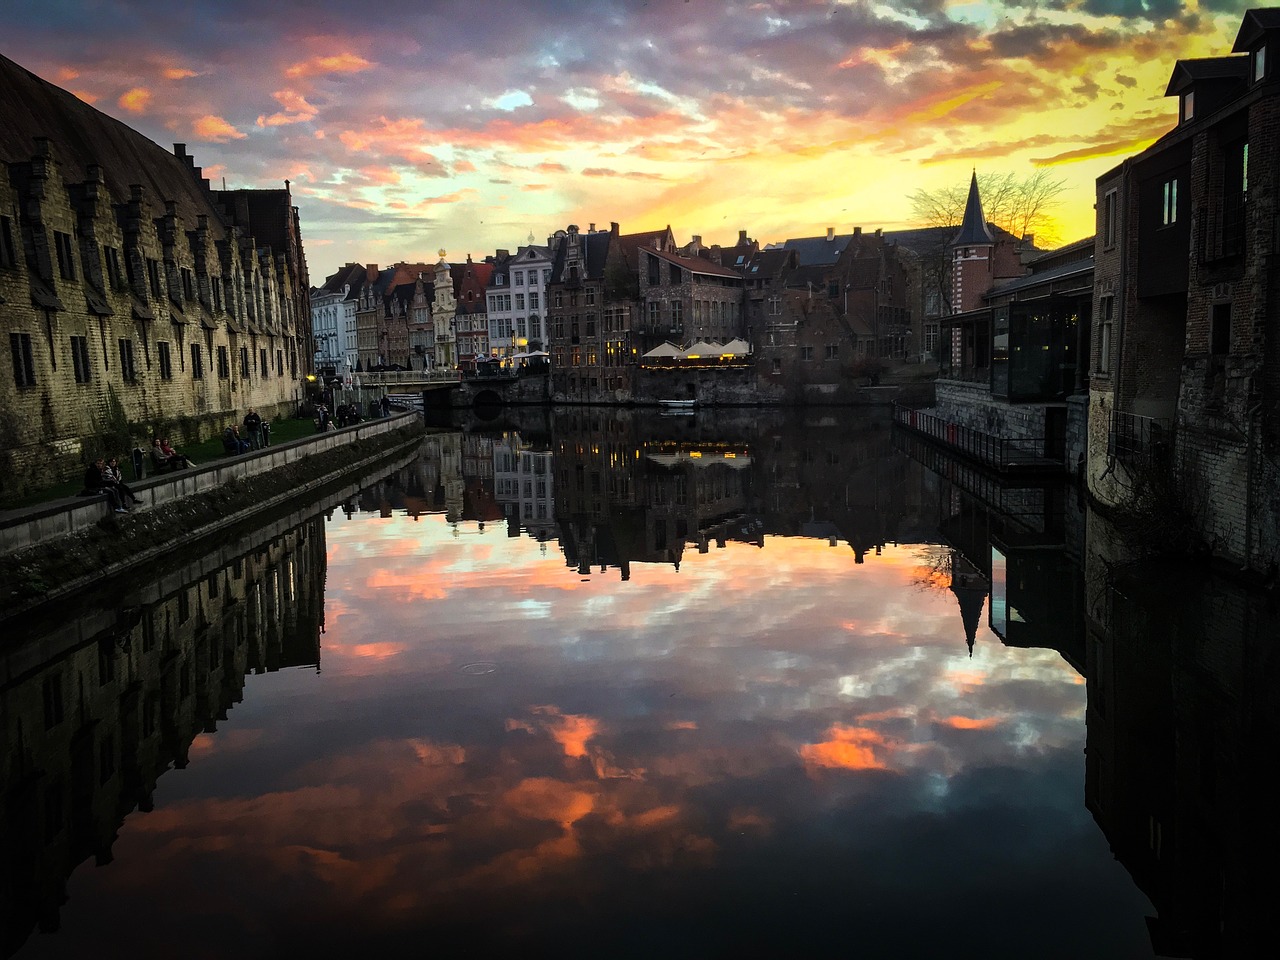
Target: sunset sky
[[410, 127]]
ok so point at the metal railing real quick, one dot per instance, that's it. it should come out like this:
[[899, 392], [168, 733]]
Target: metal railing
[[1139, 441], [395, 378], [1000, 453]]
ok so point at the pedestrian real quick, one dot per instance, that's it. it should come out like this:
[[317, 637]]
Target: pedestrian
[[253, 429], [386, 406]]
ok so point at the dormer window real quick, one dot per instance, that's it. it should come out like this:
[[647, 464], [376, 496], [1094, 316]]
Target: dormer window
[[1259, 64], [1188, 105]]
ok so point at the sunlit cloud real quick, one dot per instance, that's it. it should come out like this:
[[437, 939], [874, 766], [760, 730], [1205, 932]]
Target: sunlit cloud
[[215, 129], [135, 100], [332, 63]]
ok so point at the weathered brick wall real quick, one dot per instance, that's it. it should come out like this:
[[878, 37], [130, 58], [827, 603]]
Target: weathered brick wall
[[971, 405]]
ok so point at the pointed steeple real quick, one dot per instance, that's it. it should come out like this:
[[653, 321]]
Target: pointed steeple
[[973, 229]]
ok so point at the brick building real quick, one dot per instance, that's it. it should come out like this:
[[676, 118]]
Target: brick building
[[133, 298], [1185, 362]]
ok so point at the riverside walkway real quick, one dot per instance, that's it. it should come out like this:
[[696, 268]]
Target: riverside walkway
[[28, 526]]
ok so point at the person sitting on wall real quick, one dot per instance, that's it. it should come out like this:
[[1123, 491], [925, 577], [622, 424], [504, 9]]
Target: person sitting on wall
[[232, 442], [175, 459], [95, 485], [115, 480]]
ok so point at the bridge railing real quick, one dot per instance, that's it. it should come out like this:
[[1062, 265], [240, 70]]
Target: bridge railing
[[396, 378]]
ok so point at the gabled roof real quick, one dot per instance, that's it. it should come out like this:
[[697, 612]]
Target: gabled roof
[[698, 265], [818, 250], [1254, 25], [595, 251], [1189, 72], [973, 228]]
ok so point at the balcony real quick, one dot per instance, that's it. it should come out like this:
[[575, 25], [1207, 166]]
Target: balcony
[[1140, 441]]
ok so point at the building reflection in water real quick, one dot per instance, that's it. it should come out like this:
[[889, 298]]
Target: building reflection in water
[[96, 709], [1181, 695]]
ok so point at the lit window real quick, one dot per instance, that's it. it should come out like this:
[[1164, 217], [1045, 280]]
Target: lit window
[[1169, 203]]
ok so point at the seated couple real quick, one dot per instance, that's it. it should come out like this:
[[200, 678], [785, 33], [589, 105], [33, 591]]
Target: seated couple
[[232, 442], [103, 478], [164, 457]]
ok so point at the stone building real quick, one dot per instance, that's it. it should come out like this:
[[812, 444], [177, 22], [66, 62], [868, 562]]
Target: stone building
[[1185, 363], [471, 322], [333, 318], [592, 299], [517, 299], [134, 299]]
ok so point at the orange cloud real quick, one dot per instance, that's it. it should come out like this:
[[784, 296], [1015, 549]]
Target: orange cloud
[[334, 63], [215, 129], [178, 73], [86, 96], [135, 100], [970, 723], [296, 110], [849, 748], [571, 731]]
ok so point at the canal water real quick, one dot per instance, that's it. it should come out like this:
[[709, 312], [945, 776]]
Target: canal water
[[617, 684]]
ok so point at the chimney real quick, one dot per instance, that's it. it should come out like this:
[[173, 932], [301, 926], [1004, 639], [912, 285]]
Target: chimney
[[831, 234], [857, 231], [591, 228], [613, 228], [879, 232], [371, 272], [697, 239], [742, 238]]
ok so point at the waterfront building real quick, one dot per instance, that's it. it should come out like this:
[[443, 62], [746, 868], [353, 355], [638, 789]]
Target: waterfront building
[[134, 298], [1185, 362], [592, 295], [471, 323], [333, 319], [517, 299]]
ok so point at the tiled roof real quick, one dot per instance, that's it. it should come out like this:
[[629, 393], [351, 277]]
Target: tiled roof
[[1187, 72], [697, 265]]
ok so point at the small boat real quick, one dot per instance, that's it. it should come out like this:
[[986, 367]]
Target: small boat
[[677, 404]]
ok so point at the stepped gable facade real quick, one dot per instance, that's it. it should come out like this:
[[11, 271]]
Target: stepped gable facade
[[133, 298]]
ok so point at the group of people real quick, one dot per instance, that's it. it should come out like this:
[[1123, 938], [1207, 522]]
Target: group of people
[[254, 437], [102, 477]]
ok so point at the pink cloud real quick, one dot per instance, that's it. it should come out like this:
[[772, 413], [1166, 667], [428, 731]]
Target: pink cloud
[[215, 129]]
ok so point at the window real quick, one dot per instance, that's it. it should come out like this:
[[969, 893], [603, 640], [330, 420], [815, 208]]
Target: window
[[519, 301], [806, 353], [1109, 219], [24, 368], [775, 306], [153, 277], [197, 363], [80, 358], [8, 253], [1169, 203], [1188, 106], [677, 315], [590, 295], [833, 351], [1105, 334], [188, 285], [1220, 329], [166, 362], [224, 364], [52, 701], [66, 257], [111, 256], [279, 363], [1259, 64], [533, 301], [128, 372], [654, 308], [264, 370], [519, 278], [546, 276], [559, 299], [777, 365], [215, 288]]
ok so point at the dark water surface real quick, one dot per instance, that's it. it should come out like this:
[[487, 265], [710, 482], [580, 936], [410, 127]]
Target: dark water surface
[[611, 684]]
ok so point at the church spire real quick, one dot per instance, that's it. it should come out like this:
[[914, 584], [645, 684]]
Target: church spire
[[973, 229]]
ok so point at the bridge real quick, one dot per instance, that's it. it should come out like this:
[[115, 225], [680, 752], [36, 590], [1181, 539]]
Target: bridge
[[447, 389]]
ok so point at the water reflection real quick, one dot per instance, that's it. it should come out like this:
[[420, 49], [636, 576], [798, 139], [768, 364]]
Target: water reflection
[[744, 683]]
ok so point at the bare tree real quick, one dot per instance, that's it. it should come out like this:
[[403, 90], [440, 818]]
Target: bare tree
[[1018, 205]]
